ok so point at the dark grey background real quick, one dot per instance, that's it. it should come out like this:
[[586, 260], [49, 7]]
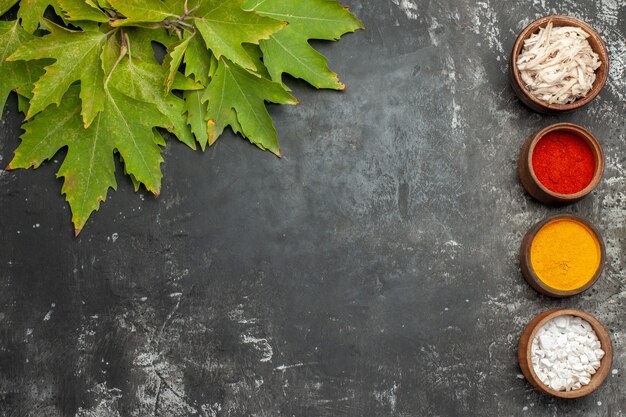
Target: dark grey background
[[371, 272]]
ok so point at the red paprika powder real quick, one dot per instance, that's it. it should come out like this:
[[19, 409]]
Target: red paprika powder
[[563, 162]]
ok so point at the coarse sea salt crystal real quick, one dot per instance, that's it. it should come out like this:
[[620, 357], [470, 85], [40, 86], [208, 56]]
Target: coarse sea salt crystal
[[565, 353]]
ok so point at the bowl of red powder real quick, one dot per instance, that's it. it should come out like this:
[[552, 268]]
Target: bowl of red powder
[[561, 164]]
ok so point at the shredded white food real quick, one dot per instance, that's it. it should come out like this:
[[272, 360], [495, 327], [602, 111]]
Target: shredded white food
[[557, 64]]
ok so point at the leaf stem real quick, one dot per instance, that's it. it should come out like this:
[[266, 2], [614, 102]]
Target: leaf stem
[[180, 21], [123, 50], [113, 14]]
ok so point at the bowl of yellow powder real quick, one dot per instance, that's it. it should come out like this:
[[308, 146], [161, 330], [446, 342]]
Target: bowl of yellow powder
[[562, 255]]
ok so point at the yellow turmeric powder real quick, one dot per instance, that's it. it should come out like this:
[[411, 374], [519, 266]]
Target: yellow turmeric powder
[[565, 254]]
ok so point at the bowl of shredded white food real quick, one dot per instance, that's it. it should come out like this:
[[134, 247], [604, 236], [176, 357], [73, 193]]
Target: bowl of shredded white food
[[558, 64]]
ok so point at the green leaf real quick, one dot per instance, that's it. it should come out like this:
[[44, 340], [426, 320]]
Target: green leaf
[[199, 62], [144, 81], [141, 40], [31, 12], [183, 83], [88, 168], [255, 53], [289, 50], [76, 10], [173, 60], [158, 139], [125, 125], [196, 116], [22, 103], [136, 183], [225, 27], [5, 5], [18, 76], [110, 54], [233, 88], [140, 11], [77, 56]]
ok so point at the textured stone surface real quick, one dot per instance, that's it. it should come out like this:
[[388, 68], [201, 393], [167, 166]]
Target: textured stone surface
[[370, 272]]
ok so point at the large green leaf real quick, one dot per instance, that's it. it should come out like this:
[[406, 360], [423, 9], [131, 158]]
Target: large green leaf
[[77, 56], [237, 98], [289, 50], [15, 75], [225, 27], [124, 125]]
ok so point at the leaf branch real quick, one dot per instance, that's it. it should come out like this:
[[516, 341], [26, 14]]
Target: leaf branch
[[181, 20]]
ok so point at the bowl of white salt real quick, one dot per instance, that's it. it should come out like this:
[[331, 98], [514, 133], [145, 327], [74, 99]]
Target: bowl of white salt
[[558, 64], [565, 353]]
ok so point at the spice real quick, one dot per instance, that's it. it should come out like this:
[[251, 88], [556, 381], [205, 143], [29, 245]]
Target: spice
[[565, 254], [566, 352], [563, 162], [557, 64]]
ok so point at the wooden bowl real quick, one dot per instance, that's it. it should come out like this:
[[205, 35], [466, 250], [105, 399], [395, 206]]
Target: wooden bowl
[[527, 174], [529, 273], [525, 358], [596, 43]]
